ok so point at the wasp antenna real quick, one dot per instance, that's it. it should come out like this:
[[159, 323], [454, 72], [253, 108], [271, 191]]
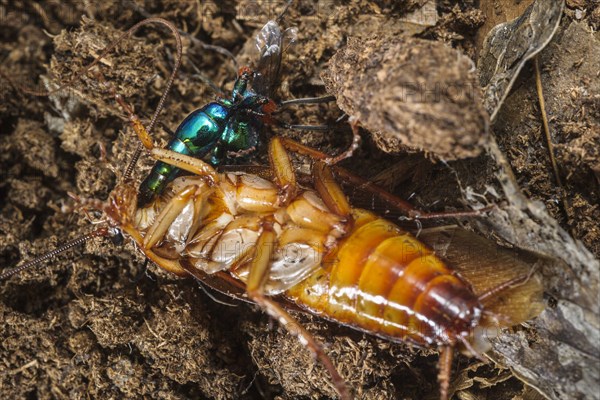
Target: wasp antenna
[[103, 231], [280, 16]]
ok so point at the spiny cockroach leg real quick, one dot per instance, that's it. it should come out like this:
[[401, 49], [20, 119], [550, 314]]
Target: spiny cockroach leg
[[283, 169], [329, 190], [350, 151], [166, 217], [258, 277], [444, 369], [394, 201]]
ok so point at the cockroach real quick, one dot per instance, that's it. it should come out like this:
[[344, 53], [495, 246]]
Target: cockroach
[[280, 239], [270, 235]]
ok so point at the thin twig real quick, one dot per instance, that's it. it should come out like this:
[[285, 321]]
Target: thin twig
[[540, 92]]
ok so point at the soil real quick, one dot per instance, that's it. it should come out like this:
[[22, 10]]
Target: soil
[[100, 322]]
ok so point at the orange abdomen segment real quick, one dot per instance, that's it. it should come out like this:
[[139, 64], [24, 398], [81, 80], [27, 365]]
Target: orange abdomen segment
[[386, 281]]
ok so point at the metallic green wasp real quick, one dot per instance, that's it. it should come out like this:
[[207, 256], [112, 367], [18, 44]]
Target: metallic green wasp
[[229, 128]]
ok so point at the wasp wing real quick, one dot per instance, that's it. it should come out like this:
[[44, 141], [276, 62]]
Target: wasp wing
[[271, 43]]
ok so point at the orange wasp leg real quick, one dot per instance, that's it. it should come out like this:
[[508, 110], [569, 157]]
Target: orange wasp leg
[[186, 163], [259, 273]]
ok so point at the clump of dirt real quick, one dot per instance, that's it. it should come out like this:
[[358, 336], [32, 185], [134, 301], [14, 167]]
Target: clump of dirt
[[421, 95], [98, 321]]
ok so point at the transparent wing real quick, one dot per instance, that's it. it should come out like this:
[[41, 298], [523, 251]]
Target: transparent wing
[[271, 43]]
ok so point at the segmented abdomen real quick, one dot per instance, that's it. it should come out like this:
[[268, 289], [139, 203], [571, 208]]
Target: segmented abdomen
[[382, 279]]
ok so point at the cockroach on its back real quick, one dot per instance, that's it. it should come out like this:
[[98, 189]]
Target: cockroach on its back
[[346, 264], [268, 234]]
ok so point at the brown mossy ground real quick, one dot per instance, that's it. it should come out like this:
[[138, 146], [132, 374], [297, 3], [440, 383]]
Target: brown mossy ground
[[97, 322]]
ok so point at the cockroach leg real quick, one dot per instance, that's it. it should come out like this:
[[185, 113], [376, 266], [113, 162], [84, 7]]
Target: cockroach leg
[[186, 163], [393, 201], [350, 151], [444, 370], [168, 214], [282, 167], [259, 274], [518, 281], [471, 349], [330, 191]]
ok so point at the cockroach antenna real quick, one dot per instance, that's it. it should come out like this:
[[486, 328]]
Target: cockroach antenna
[[163, 98], [106, 51], [102, 231]]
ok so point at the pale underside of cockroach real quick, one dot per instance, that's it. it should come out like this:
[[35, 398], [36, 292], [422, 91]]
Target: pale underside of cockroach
[[276, 237]]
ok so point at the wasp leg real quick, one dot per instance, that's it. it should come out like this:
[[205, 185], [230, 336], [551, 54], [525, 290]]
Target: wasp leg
[[396, 202], [186, 163], [307, 100], [258, 277], [136, 123], [285, 125]]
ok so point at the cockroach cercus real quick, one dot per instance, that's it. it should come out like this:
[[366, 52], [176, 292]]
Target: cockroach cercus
[[270, 232]]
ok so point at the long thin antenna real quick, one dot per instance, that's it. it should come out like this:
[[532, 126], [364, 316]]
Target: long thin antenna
[[103, 231], [280, 16], [163, 98], [108, 49]]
